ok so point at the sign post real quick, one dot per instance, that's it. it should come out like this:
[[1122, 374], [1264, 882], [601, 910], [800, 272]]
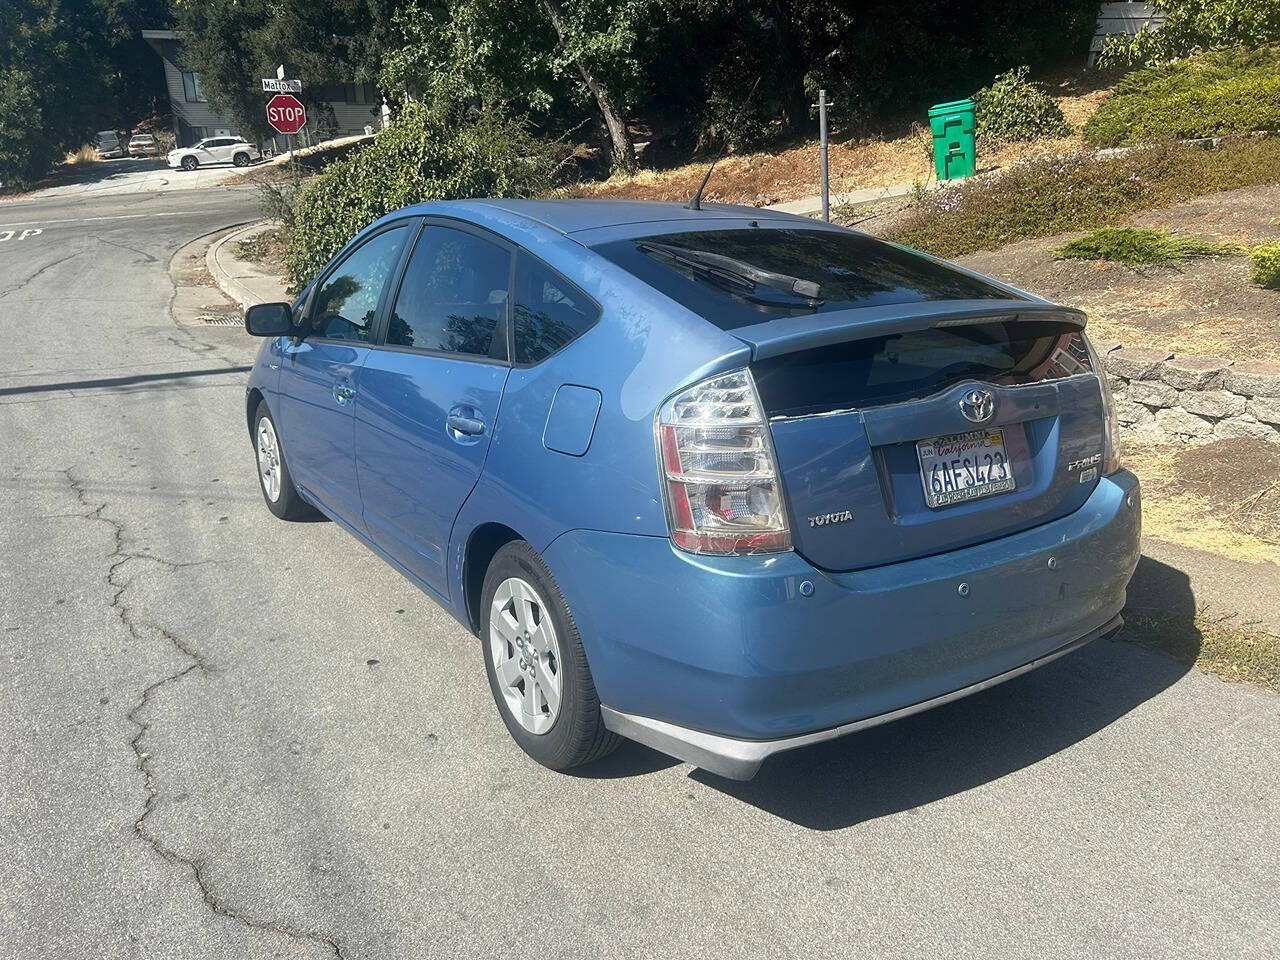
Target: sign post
[[822, 157]]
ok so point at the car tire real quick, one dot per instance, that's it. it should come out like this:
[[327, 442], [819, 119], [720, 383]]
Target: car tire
[[274, 480], [240, 159], [190, 163], [575, 734]]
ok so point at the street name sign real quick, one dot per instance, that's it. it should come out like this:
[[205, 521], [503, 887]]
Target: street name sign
[[271, 85], [286, 113]]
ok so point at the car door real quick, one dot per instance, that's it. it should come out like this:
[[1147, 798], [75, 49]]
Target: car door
[[429, 395], [220, 149], [320, 373], [204, 151]]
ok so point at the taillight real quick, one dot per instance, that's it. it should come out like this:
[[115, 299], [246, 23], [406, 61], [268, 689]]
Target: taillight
[[1111, 426], [719, 472]]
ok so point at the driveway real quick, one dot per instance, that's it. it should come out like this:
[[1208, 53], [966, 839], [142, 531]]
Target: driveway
[[126, 175], [225, 736]]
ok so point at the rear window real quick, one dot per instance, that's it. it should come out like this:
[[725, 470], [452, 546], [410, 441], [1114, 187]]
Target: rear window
[[735, 278], [909, 366]]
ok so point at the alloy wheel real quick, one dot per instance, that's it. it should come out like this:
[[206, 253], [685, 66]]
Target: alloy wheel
[[526, 655], [269, 459]]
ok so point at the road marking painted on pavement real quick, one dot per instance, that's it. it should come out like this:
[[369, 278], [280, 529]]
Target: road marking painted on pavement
[[9, 234], [123, 216]]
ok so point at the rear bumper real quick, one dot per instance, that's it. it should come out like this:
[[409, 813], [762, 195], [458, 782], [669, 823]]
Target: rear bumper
[[741, 759], [773, 650]]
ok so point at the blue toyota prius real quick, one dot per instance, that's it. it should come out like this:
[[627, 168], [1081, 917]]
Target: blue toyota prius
[[723, 481]]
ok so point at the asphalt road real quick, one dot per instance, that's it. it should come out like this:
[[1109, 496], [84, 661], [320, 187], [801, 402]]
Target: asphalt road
[[128, 176], [225, 736]]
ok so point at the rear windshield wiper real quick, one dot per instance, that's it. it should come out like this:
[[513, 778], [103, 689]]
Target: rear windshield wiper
[[741, 277]]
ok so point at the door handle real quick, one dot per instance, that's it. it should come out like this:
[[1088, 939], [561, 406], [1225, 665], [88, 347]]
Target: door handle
[[468, 425], [343, 392]]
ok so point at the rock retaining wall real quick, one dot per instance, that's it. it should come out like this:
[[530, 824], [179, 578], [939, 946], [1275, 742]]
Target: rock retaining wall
[[1192, 399]]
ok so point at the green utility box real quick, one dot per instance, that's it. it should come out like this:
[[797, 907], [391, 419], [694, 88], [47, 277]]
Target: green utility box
[[954, 153]]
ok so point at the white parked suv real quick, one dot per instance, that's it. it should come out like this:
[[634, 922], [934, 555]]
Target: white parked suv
[[215, 150]]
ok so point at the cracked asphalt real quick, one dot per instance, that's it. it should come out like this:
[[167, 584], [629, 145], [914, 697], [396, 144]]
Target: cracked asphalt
[[224, 736]]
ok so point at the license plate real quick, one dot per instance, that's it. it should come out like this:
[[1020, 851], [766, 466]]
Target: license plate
[[961, 467]]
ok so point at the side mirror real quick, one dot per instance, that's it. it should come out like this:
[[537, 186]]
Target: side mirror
[[268, 320]]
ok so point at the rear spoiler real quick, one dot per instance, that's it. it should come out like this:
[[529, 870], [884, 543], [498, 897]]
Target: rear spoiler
[[789, 334]]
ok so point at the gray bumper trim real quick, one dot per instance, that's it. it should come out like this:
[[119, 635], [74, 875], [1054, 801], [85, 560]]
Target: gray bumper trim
[[741, 759]]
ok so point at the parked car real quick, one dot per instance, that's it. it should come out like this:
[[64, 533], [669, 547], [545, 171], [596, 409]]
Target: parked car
[[234, 150], [110, 144], [143, 145], [723, 481]]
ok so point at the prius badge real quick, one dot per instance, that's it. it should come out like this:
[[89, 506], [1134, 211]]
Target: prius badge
[[978, 406]]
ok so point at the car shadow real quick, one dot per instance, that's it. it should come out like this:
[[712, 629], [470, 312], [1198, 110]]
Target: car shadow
[[942, 752]]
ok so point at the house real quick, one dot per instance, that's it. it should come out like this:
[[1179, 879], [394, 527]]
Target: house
[[1126, 16], [333, 109]]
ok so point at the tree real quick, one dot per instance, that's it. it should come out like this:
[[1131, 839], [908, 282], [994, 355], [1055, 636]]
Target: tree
[[234, 43], [134, 76], [1192, 24], [580, 45], [545, 58], [52, 95]]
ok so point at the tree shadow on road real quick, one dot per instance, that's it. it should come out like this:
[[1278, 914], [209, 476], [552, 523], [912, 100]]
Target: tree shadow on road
[[101, 171], [976, 740]]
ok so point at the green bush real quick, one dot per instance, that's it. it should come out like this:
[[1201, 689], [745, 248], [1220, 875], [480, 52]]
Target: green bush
[[1015, 109], [1224, 92], [1139, 247], [424, 154], [1191, 25], [1079, 192], [1266, 265]]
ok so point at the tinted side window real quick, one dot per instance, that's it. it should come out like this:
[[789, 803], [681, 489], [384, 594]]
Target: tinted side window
[[347, 302], [549, 311], [454, 295]]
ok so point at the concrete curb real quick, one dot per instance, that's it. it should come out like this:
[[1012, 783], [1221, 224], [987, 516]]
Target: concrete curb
[[194, 301], [244, 282]]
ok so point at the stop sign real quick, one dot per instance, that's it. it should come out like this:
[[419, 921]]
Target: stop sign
[[286, 113]]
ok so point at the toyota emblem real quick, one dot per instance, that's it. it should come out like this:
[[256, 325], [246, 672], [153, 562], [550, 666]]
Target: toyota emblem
[[978, 406]]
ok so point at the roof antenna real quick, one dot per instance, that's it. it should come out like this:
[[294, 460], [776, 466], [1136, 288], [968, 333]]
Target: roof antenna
[[696, 202]]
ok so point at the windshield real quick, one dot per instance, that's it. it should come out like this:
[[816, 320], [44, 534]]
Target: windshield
[[735, 278]]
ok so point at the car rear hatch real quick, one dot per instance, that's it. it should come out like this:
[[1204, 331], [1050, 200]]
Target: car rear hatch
[[911, 431], [915, 407]]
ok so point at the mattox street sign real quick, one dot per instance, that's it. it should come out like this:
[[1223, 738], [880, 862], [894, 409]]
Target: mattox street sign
[[286, 113], [272, 85]]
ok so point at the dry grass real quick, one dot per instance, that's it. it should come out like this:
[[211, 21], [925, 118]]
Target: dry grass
[[1203, 306], [759, 179], [1222, 497], [86, 154], [267, 249], [1237, 652]]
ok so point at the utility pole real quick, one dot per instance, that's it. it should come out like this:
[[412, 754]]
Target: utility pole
[[822, 134]]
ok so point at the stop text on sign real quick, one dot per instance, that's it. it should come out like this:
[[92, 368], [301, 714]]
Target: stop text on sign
[[286, 113]]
